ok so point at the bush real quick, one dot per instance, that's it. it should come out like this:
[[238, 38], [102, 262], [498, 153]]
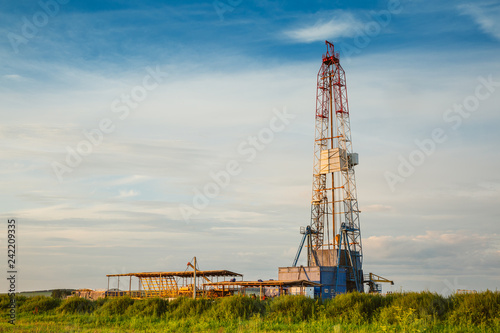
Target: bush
[[397, 315], [292, 308], [183, 307], [236, 307], [39, 304], [75, 305], [100, 302], [115, 306], [475, 309], [5, 301], [353, 308], [427, 305], [149, 307]]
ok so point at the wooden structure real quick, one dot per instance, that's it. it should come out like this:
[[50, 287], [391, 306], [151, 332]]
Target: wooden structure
[[90, 294], [239, 287], [172, 284]]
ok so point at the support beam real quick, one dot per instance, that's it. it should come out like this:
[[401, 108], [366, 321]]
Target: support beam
[[194, 279]]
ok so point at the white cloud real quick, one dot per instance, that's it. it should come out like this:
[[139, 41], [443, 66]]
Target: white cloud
[[433, 259], [342, 24], [377, 208], [128, 194], [486, 15], [15, 77], [438, 245]]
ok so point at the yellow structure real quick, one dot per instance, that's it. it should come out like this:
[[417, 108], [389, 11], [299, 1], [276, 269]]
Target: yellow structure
[[172, 284]]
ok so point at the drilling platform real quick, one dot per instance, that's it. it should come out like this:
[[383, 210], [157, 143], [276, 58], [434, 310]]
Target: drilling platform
[[333, 237]]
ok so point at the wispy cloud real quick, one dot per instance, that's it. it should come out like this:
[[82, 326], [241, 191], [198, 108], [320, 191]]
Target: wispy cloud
[[485, 15], [377, 208], [15, 77], [128, 194], [437, 250], [341, 24]]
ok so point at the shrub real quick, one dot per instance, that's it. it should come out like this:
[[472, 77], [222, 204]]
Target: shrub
[[39, 304], [5, 301], [292, 308], [353, 308], [236, 307], [75, 304], [100, 302], [115, 306], [183, 307], [475, 309], [397, 315], [149, 307], [427, 305]]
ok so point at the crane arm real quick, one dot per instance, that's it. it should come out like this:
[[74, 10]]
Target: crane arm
[[203, 276], [378, 278]]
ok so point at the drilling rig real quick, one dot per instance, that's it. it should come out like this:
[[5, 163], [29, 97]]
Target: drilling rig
[[335, 232], [333, 238]]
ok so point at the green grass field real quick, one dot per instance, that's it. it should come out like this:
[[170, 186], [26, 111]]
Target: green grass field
[[407, 312]]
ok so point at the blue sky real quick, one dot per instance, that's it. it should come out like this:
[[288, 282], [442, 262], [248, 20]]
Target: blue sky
[[182, 87]]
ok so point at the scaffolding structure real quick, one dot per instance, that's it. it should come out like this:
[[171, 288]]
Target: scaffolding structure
[[172, 284], [282, 287]]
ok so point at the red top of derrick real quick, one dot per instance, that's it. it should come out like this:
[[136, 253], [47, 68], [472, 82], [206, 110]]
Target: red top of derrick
[[330, 57]]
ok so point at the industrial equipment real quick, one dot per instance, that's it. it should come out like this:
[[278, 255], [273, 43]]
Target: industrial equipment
[[172, 284], [373, 281], [306, 231], [334, 249]]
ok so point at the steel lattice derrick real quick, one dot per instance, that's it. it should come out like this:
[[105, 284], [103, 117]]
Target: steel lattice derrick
[[334, 207]]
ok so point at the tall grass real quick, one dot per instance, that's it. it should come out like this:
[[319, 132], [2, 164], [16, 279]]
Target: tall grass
[[236, 307], [292, 309], [475, 309], [39, 304], [407, 312], [115, 306], [184, 307], [154, 307], [5, 301], [353, 308], [76, 305]]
